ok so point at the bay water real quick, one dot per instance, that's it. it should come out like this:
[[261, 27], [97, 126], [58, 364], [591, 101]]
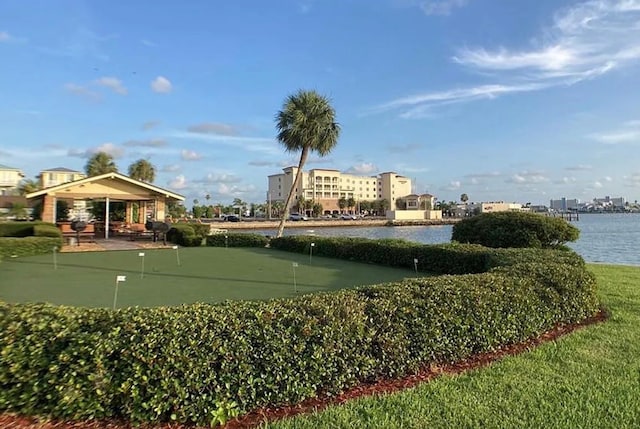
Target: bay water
[[606, 238]]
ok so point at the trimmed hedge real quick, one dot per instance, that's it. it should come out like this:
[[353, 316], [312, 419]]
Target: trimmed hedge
[[515, 229], [451, 258], [237, 240], [46, 230], [202, 364], [184, 235], [28, 246], [16, 229]]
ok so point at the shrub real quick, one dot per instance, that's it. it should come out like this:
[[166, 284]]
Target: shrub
[[46, 230], [201, 229], [515, 229], [192, 363], [237, 240], [184, 235], [28, 246], [16, 229]]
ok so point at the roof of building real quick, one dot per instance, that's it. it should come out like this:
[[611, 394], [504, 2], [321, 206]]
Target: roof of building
[[62, 170], [117, 176], [6, 167]]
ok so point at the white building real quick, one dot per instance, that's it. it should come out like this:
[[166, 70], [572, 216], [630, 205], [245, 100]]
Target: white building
[[327, 187], [9, 179], [564, 204], [495, 206]]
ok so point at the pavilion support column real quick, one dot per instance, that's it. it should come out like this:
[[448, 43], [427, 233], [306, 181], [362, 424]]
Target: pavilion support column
[[48, 209], [128, 217], [106, 219], [161, 210]]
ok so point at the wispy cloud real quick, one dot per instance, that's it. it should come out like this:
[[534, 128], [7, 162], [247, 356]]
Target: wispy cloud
[[109, 148], [404, 148], [149, 43], [629, 132], [150, 125], [82, 91], [579, 167], [161, 85], [441, 7], [190, 155], [113, 84], [5, 37], [171, 168], [178, 182], [364, 168], [154, 143], [583, 42], [212, 178], [216, 128], [527, 178], [250, 144]]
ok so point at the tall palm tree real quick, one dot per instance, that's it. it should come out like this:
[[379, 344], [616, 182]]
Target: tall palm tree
[[306, 123], [142, 170], [100, 163]]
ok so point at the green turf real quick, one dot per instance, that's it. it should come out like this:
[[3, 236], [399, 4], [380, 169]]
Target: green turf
[[589, 379], [205, 275]]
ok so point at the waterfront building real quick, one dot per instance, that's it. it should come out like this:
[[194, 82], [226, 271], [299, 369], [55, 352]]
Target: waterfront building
[[564, 204], [327, 187], [58, 176], [495, 206], [9, 179], [607, 201]]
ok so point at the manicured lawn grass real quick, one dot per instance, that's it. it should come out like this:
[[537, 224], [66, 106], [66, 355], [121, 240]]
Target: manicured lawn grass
[[205, 275], [589, 379]]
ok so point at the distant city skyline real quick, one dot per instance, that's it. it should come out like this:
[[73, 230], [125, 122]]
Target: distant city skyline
[[510, 101]]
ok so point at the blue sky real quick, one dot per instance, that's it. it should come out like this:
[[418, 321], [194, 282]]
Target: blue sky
[[503, 100]]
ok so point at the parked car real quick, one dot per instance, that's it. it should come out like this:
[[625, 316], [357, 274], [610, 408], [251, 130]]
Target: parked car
[[232, 218], [348, 217], [297, 216]]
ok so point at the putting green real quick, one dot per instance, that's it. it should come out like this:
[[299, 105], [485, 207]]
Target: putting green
[[206, 274]]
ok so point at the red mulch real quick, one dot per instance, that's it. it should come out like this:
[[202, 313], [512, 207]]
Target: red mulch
[[255, 418]]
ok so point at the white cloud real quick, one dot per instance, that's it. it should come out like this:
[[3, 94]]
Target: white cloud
[[583, 42], [213, 128], [150, 125], [527, 178], [109, 148], [453, 186], [4, 36], [82, 91], [179, 182], [235, 191], [190, 155], [607, 179], [172, 168], [161, 85], [220, 178], [441, 7], [112, 83], [155, 143], [597, 185], [628, 133], [364, 168], [580, 167]]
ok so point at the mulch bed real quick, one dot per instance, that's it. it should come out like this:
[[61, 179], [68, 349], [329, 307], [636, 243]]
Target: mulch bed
[[255, 418]]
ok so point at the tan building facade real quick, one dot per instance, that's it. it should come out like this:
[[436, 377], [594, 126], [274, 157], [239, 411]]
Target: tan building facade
[[10, 179], [495, 206], [58, 176], [327, 187]]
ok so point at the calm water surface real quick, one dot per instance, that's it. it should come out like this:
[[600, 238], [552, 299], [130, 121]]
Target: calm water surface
[[610, 238]]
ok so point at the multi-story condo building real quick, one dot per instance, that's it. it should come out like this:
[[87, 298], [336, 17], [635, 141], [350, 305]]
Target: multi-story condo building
[[58, 176], [9, 179], [327, 187], [564, 204], [608, 201], [495, 206]]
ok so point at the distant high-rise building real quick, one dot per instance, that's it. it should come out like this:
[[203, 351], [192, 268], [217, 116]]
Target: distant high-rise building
[[564, 204]]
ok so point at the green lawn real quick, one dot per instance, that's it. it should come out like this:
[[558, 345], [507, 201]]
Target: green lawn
[[589, 379], [205, 275]]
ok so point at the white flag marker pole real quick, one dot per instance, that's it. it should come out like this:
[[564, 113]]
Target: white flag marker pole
[[295, 286], [115, 296], [415, 265], [311, 251], [177, 255], [55, 261], [141, 254]]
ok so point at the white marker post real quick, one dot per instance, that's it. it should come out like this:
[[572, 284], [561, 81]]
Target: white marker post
[[295, 286], [55, 261], [415, 264], [226, 241], [311, 251], [177, 254], [115, 296], [141, 255]]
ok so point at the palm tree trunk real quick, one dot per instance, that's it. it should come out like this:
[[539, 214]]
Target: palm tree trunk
[[287, 206]]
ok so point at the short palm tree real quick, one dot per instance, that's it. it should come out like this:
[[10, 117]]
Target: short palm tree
[[142, 170], [100, 163], [306, 123]]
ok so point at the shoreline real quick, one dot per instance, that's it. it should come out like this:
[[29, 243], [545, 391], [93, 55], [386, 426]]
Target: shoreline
[[272, 224]]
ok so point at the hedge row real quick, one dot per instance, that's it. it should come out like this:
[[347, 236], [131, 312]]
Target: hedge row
[[438, 259], [28, 246], [237, 240], [193, 363], [47, 230], [17, 229]]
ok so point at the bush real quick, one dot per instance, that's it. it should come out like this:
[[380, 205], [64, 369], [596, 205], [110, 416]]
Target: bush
[[188, 363], [46, 230], [237, 240], [16, 229], [515, 229], [28, 246], [184, 235]]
